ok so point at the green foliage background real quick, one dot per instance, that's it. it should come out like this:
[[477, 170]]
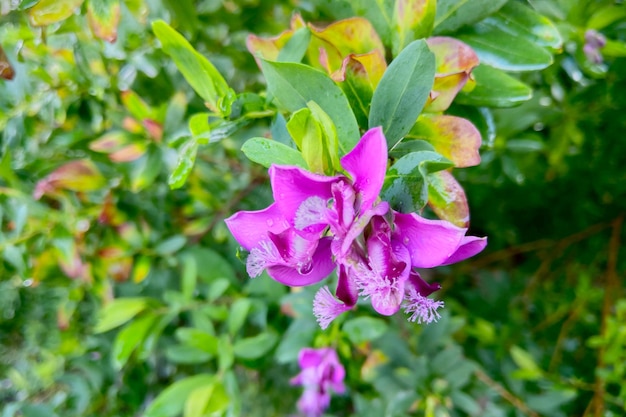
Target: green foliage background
[[120, 296]]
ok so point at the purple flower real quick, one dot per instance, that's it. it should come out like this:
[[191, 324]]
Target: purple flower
[[594, 41], [321, 372], [318, 223]]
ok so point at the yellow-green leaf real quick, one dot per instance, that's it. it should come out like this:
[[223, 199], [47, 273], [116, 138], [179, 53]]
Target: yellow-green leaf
[[47, 12], [412, 19], [119, 311], [453, 137]]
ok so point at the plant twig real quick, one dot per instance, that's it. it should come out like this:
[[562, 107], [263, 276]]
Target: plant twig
[[506, 394], [611, 289]]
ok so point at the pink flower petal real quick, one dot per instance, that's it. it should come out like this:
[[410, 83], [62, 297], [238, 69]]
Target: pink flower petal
[[251, 227], [291, 186], [367, 163], [470, 246], [430, 242], [320, 266]]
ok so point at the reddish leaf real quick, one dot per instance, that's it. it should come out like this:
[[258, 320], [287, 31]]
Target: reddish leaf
[[6, 70], [80, 175], [453, 137], [154, 129], [104, 18], [447, 198], [110, 142], [269, 48], [455, 61], [128, 153]]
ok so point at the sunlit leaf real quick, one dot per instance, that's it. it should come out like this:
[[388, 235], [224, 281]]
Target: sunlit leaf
[[119, 311], [330, 45], [197, 70], [129, 338], [171, 401], [184, 165], [47, 12]]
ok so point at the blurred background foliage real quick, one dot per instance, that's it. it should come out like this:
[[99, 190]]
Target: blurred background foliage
[[122, 297]]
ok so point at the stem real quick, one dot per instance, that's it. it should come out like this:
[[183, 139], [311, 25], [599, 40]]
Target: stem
[[504, 393]]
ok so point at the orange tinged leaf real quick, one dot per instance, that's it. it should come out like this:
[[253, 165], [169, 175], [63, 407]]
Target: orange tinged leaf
[[455, 61], [80, 175], [453, 137], [447, 198], [104, 18], [6, 70]]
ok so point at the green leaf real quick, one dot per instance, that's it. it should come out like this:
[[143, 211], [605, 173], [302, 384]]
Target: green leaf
[[256, 346], [171, 245], [403, 91], [293, 85], [129, 338], [145, 170], [329, 159], [495, 88], [104, 17], [238, 313], [605, 16], [267, 152], [453, 14], [306, 132], [171, 401], [197, 70], [47, 12], [379, 12], [189, 276], [296, 46], [364, 329], [184, 165], [501, 49], [412, 19], [405, 186], [205, 400], [447, 198], [524, 360], [521, 21], [119, 311], [198, 339], [186, 355]]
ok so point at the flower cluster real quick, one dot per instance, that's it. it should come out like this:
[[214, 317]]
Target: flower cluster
[[318, 223], [320, 373]]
